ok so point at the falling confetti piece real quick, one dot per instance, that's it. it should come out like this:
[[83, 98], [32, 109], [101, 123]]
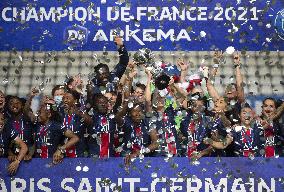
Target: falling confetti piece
[[78, 168], [85, 168], [268, 25], [5, 81], [154, 175], [21, 58], [230, 50], [202, 34]]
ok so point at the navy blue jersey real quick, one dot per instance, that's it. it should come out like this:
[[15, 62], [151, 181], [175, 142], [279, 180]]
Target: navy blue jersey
[[195, 130], [248, 142], [274, 140], [233, 113], [24, 128], [48, 138], [219, 128], [102, 136], [117, 72], [137, 137], [76, 125], [6, 137], [168, 139]]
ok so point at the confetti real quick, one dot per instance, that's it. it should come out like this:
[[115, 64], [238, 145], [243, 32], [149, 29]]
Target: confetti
[[202, 34], [5, 81], [85, 169], [230, 50], [78, 168]]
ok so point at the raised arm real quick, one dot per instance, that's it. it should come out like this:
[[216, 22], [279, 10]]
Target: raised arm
[[27, 108], [239, 77], [183, 68], [120, 68], [126, 87], [129, 68], [178, 93], [148, 95], [217, 60], [211, 90]]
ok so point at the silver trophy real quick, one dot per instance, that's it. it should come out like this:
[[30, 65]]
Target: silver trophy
[[146, 58]]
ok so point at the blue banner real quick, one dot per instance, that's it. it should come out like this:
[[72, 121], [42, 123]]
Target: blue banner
[[149, 174], [157, 24]]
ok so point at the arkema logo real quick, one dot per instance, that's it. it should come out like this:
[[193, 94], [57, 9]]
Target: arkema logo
[[75, 36], [279, 24]]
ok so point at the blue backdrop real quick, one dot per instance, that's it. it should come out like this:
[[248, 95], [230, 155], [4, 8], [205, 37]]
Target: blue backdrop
[[204, 25], [150, 174]]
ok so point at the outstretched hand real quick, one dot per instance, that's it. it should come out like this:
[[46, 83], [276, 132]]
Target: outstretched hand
[[182, 65], [13, 167], [148, 73], [218, 54], [57, 157], [218, 57], [237, 58]]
